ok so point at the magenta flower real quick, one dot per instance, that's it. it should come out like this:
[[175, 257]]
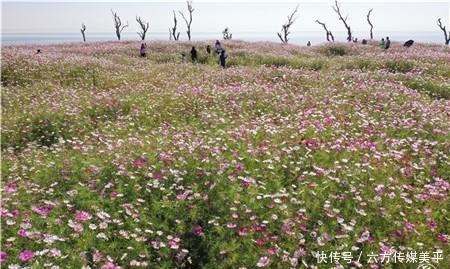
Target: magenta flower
[[442, 238], [198, 230], [432, 224], [42, 210], [22, 233], [263, 262], [26, 255], [11, 188], [3, 256], [173, 244], [409, 226], [110, 265], [82, 216], [243, 232], [240, 167]]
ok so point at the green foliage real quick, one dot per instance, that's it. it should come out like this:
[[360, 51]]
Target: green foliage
[[432, 88], [335, 50], [399, 66], [44, 129]]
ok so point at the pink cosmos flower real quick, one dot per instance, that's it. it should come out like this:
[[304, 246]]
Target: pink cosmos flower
[[173, 244], [110, 265], [26, 255], [3, 256], [263, 262], [301, 252], [22, 233], [42, 210], [432, 224], [82, 216], [240, 167], [409, 226], [11, 188], [113, 194], [243, 232], [442, 238], [198, 230]]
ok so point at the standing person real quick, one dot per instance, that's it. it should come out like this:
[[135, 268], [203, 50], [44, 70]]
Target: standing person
[[308, 44], [223, 58], [194, 54], [382, 44], [388, 43], [208, 49], [218, 47], [143, 50]]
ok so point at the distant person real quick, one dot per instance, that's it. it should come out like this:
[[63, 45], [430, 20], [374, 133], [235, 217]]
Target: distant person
[[364, 42], [382, 43], [38, 51], [193, 54], [355, 40], [218, 47], [143, 50], [183, 57], [388, 43], [408, 43], [308, 44], [223, 58], [208, 49]]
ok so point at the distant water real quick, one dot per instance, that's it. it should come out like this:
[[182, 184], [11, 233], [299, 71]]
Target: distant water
[[300, 38]]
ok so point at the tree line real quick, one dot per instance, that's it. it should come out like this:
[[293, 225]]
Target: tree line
[[283, 35]]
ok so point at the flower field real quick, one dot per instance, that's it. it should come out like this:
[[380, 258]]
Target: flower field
[[289, 155]]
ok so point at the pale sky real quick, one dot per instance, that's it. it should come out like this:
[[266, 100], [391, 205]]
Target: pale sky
[[214, 16]]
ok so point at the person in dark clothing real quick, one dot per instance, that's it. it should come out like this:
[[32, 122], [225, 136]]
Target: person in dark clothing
[[38, 51], [388, 43], [408, 43], [223, 58], [194, 54], [218, 47], [208, 49], [308, 44], [143, 50], [382, 43]]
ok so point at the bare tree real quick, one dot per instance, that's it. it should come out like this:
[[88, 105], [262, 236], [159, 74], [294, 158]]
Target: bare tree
[[173, 30], [83, 29], [329, 34], [118, 24], [446, 36], [370, 23], [337, 9], [226, 34], [144, 27], [188, 23], [285, 27]]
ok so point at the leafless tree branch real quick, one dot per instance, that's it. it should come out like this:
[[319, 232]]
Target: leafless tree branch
[[443, 28], [370, 23], [118, 24], [337, 9], [328, 32], [144, 27], [284, 35], [83, 29], [188, 22], [173, 30]]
